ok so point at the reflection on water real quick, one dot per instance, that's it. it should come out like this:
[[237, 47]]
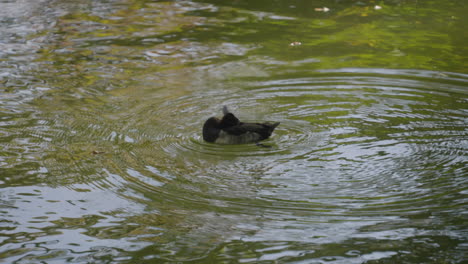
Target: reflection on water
[[102, 159]]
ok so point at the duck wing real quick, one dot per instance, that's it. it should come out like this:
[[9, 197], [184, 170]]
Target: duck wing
[[263, 130]]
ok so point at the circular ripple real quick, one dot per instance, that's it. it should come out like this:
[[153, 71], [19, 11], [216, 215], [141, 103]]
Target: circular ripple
[[355, 150], [365, 141], [380, 134]]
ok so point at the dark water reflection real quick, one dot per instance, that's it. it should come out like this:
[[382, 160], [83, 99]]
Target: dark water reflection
[[102, 160]]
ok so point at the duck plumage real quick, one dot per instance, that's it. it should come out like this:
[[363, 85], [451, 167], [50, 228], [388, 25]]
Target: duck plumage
[[230, 130]]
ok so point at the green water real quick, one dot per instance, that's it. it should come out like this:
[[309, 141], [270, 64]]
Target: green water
[[102, 104]]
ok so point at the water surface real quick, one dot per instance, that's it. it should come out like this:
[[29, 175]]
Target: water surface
[[102, 160]]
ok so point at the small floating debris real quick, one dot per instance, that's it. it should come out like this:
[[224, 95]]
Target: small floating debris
[[377, 7], [295, 43], [97, 152], [322, 9]]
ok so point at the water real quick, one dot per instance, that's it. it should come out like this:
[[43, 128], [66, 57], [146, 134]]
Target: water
[[102, 160]]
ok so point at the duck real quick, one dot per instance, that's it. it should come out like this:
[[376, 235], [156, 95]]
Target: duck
[[230, 130]]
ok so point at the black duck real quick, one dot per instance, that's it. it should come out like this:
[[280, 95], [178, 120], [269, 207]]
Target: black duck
[[230, 130]]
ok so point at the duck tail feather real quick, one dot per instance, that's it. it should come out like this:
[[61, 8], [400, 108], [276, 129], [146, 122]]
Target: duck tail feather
[[272, 127], [225, 110]]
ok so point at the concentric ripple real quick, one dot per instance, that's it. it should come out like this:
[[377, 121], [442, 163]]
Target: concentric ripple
[[359, 153], [102, 104], [376, 139], [356, 150], [351, 142]]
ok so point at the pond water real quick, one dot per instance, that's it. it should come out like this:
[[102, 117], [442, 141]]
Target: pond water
[[102, 104]]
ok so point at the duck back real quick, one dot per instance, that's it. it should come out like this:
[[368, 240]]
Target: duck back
[[250, 132]]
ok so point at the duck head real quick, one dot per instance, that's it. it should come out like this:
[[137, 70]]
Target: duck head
[[211, 129]]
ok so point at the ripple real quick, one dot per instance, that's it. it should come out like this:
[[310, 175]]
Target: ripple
[[354, 149], [350, 141], [371, 133], [336, 118]]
